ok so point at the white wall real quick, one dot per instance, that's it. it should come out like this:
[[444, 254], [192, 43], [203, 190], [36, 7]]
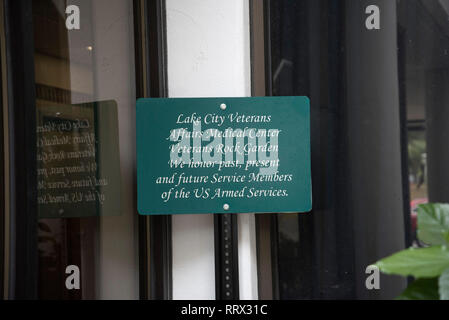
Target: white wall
[[208, 56]]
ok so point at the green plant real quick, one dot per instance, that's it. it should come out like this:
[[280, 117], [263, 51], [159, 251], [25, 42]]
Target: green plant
[[430, 265]]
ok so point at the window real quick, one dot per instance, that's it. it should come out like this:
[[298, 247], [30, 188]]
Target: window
[[378, 136]]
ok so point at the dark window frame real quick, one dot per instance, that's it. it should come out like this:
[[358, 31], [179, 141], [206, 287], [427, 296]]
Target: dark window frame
[[2, 170], [22, 149], [155, 237]]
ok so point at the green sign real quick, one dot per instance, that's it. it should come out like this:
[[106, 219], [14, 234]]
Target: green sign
[[223, 155]]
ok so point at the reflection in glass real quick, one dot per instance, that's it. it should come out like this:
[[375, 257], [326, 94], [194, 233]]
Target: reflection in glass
[[78, 161], [379, 118], [424, 43], [85, 99]]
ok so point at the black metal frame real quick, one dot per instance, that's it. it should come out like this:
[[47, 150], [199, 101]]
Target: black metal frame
[[155, 238], [274, 231], [22, 131], [2, 182], [404, 136], [226, 257]]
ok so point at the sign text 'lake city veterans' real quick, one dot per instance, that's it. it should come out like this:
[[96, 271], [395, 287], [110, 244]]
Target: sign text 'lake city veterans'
[[223, 155]]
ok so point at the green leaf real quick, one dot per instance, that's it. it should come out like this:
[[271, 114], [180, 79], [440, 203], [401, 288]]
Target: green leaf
[[433, 223], [443, 284], [419, 263], [421, 289]]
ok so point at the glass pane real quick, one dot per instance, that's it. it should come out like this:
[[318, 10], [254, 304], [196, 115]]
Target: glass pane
[[315, 250], [424, 47], [85, 97], [379, 119]]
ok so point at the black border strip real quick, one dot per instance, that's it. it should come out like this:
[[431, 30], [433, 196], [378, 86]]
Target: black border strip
[[22, 130], [155, 235], [141, 71], [2, 178], [269, 92], [404, 135]]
